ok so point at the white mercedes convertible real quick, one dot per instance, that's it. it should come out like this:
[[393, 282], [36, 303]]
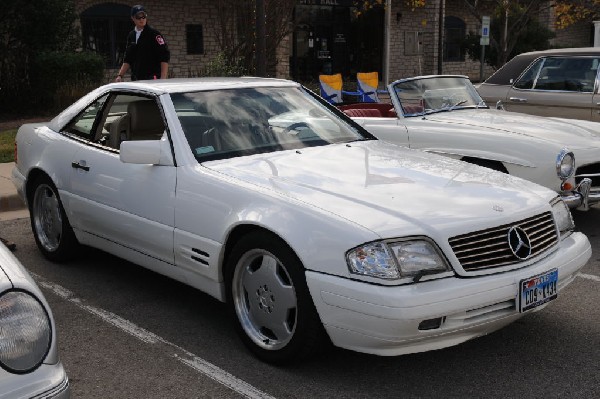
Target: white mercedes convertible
[[260, 194]]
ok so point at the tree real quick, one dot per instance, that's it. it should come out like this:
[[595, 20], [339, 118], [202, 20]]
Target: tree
[[237, 30], [28, 28], [572, 11], [511, 19], [535, 36]]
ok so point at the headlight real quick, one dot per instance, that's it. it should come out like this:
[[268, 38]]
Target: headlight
[[24, 332], [565, 164], [396, 259], [562, 216]]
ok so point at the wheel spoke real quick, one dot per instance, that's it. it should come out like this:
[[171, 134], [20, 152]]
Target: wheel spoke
[[269, 299]]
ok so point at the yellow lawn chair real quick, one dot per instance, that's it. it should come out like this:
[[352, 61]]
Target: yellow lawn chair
[[331, 88], [367, 83]]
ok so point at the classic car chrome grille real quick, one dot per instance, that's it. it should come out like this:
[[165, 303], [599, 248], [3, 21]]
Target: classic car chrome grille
[[592, 171], [486, 249]]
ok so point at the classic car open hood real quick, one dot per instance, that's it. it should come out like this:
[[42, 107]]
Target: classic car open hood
[[378, 185], [565, 134]]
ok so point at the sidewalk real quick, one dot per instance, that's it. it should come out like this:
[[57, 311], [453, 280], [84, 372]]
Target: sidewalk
[[11, 205]]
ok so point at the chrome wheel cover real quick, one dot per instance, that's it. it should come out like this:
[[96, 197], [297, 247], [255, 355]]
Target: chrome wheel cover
[[265, 299], [47, 218]]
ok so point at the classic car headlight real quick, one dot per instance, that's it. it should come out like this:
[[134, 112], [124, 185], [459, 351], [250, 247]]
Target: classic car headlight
[[565, 164], [25, 332], [562, 216], [393, 260]]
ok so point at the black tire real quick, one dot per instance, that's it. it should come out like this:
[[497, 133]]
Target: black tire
[[268, 297], [51, 228]]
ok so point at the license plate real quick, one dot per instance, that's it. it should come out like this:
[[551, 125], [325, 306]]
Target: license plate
[[538, 290]]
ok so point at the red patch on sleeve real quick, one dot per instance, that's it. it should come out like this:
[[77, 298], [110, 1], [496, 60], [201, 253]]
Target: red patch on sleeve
[[160, 40]]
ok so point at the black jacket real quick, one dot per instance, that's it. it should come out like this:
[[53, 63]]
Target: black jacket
[[145, 56]]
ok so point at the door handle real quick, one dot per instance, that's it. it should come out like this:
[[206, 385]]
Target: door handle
[[80, 165], [518, 100]]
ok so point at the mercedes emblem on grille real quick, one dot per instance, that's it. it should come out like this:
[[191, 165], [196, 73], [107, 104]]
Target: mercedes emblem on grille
[[519, 242]]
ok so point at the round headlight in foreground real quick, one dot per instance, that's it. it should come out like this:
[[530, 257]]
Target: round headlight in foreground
[[565, 164], [25, 332]]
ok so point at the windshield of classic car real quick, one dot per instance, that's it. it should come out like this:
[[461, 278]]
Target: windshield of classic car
[[228, 123], [429, 95]]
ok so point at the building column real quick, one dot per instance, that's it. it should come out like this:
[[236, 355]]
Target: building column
[[596, 33]]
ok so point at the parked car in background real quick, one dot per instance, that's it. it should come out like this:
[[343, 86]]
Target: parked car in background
[[559, 83], [259, 193], [29, 362], [444, 114]]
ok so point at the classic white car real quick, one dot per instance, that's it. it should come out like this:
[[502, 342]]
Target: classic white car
[[445, 114], [260, 194], [29, 362]]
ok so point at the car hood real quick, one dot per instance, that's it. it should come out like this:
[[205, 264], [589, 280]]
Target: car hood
[[558, 131], [379, 185]]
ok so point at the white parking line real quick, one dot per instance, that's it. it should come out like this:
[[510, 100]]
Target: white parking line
[[189, 359], [589, 277]]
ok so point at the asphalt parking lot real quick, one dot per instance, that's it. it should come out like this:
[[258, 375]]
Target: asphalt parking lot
[[127, 332]]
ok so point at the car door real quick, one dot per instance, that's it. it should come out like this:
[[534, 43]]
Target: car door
[[556, 86], [124, 207]]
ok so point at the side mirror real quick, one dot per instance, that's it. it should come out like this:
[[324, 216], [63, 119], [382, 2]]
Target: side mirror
[[500, 105], [141, 152]]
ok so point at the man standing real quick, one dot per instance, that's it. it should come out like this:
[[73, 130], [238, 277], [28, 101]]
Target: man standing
[[147, 53]]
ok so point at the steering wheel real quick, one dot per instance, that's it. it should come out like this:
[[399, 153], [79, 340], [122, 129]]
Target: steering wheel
[[296, 127]]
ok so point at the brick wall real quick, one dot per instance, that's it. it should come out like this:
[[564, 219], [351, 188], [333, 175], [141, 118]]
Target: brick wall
[[170, 18]]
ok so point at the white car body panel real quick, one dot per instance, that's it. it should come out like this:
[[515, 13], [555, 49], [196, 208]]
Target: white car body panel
[[176, 217]]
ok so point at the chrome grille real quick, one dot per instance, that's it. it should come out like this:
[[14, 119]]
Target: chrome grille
[[592, 171], [486, 249]]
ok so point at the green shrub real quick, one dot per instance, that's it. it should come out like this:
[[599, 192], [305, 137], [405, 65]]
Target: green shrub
[[221, 66], [59, 78], [7, 145]]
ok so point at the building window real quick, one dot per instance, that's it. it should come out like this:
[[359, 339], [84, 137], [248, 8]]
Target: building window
[[194, 39], [104, 29], [454, 36]]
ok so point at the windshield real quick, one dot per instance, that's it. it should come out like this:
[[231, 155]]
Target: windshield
[[436, 94], [235, 122]]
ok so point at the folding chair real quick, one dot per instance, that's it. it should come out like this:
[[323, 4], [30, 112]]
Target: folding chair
[[367, 83], [331, 88]]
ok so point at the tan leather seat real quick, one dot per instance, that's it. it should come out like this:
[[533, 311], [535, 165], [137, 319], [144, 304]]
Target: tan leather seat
[[119, 130], [146, 121]]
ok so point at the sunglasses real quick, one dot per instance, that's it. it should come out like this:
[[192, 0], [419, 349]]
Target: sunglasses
[[143, 16]]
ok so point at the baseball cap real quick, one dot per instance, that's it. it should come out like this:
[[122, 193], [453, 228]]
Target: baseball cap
[[137, 9]]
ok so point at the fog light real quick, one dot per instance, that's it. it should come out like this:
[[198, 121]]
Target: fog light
[[431, 324]]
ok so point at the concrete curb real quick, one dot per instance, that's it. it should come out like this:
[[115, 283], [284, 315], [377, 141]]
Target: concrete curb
[[9, 199]]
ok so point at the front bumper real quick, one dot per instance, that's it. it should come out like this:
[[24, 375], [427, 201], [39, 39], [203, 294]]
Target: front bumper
[[47, 381], [583, 196], [385, 320], [18, 180]]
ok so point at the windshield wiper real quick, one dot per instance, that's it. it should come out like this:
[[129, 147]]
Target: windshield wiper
[[461, 102]]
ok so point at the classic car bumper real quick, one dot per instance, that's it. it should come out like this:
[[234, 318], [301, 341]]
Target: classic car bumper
[[385, 320], [47, 381], [583, 196]]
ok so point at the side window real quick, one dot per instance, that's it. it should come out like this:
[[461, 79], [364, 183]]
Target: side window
[[83, 124], [576, 74], [132, 117], [527, 80]]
